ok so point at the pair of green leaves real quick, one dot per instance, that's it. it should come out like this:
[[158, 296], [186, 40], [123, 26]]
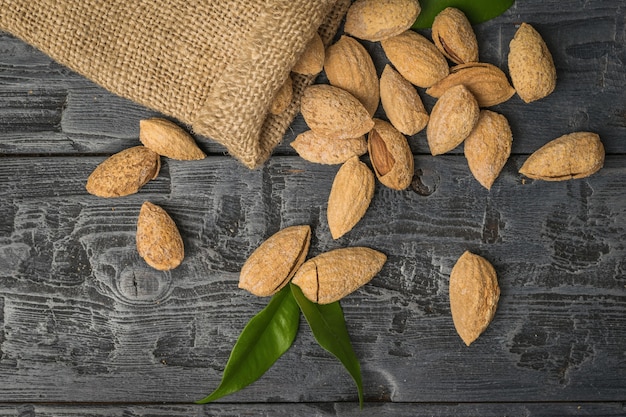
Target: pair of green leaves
[[271, 332], [477, 11]]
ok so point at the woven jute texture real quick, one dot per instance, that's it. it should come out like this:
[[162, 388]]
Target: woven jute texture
[[212, 64]]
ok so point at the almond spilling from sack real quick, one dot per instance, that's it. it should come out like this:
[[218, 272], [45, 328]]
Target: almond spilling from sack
[[168, 139], [416, 58], [124, 173], [323, 150], [375, 20], [453, 34], [350, 67], [311, 61], [575, 155], [402, 104], [486, 82], [271, 266], [530, 64], [452, 119], [391, 156], [332, 275], [158, 240], [283, 97], [488, 147], [350, 196], [474, 295], [333, 112]]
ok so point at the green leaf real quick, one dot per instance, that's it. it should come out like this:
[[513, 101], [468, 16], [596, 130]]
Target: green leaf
[[329, 328], [477, 11], [265, 338]]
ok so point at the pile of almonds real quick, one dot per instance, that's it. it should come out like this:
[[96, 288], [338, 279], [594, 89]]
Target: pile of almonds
[[159, 242], [342, 129], [342, 126]]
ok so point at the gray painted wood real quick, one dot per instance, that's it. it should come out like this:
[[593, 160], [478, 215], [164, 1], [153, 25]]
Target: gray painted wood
[[87, 325], [81, 308], [322, 409]]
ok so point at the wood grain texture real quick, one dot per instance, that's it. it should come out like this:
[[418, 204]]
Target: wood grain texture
[[87, 328], [81, 307], [321, 410]]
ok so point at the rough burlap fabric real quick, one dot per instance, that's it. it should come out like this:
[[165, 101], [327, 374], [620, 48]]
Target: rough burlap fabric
[[212, 64]]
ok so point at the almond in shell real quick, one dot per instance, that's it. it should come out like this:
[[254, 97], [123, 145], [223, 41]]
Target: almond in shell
[[350, 196], [488, 147], [453, 34], [158, 240], [486, 82], [401, 102], [333, 112], [332, 275], [575, 155], [452, 119], [283, 98], [270, 267], [124, 173], [324, 150], [311, 61], [375, 20], [416, 58], [349, 66], [168, 139], [474, 295], [530, 64], [391, 156]]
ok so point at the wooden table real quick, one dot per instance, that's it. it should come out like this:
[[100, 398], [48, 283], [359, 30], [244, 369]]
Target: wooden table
[[87, 328]]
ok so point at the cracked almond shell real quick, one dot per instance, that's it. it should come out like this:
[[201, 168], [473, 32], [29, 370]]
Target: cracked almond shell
[[575, 155], [375, 20], [332, 275], [390, 155], [486, 82], [270, 267], [453, 35], [488, 147], [168, 139], [474, 295], [124, 173], [531, 66], [333, 112], [350, 196], [158, 240]]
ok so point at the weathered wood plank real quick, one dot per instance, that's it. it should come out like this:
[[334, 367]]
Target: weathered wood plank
[[85, 320], [321, 409]]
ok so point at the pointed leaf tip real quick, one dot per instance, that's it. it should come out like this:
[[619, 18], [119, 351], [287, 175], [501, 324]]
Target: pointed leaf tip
[[328, 325], [265, 338]]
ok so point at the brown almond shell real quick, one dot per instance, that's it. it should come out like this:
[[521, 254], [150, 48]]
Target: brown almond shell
[[333, 275], [571, 156], [124, 173], [272, 264], [474, 295]]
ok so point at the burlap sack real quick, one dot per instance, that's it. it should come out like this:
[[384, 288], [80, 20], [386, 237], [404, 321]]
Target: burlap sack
[[212, 64]]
